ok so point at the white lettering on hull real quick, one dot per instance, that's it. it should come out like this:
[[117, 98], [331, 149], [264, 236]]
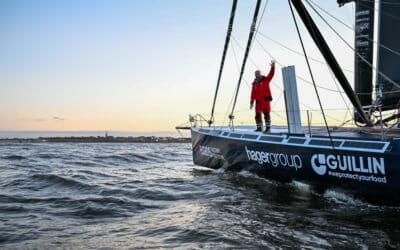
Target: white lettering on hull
[[350, 167], [274, 159]]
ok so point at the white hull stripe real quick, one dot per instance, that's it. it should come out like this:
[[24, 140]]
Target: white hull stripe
[[325, 143]]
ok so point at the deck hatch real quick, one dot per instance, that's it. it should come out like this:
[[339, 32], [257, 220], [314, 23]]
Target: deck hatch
[[204, 130], [234, 135], [324, 143], [247, 136], [271, 138], [364, 144], [297, 140]]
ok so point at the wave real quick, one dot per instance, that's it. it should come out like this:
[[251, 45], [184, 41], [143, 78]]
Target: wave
[[12, 209], [92, 207], [85, 163], [122, 158], [96, 174], [134, 157], [28, 199], [163, 195], [53, 179], [90, 211], [341, 198], [14, 157], [48, 156]]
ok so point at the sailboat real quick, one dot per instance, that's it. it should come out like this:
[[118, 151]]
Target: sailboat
[[365, 162]]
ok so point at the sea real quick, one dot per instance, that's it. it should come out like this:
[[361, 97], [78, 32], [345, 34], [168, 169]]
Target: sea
[[151, 196]]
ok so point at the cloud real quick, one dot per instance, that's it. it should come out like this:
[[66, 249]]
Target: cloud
[[58, 119]]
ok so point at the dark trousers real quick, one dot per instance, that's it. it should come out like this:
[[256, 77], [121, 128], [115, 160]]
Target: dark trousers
[[267, 118]]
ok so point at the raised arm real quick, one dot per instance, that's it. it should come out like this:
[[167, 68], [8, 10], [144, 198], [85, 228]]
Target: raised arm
[[271, 73]]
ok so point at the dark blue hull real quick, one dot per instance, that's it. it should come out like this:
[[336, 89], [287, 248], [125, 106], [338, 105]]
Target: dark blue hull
[[364, 167]]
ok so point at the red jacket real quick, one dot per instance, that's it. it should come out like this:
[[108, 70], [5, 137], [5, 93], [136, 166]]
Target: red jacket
[[261, 90]]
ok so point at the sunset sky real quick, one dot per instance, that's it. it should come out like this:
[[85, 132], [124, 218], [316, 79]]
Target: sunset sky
[[144, 65]]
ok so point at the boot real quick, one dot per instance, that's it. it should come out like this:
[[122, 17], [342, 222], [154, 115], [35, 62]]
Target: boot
[[259, 127], [258, 122], [267, 126]]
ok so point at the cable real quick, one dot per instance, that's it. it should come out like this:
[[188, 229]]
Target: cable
[[358, 54], [297, 52], [249, 57], [352, 28], [384, 13], [332, 16], [231, 101], [262, 16], [297, 76], [227, 39], [341, 95], [252, 60], [311, 74]]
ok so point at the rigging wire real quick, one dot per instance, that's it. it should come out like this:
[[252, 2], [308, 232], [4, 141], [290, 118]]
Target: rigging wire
[[352, 28], [233, 96], [311, 74], [358, 54], [235, 56], [249, 57], [332, 16], [254, 63], [262, 16], [297, 76], [227, 40], [308, 82], [383, 13], [380, 44], [312, 59], [257, 31], [330, 71], [348, 111], [249, 42], [288, 48], [296, 52], [247, 83], [341, 95]]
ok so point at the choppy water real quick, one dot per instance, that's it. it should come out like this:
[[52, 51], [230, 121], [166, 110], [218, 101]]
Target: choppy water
[[152, 196]]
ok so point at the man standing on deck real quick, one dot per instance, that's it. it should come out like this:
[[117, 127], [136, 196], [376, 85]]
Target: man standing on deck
[[261, 94]]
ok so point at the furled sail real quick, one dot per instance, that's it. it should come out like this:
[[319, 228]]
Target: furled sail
[[387, 94], [364, 49], [363, 53]]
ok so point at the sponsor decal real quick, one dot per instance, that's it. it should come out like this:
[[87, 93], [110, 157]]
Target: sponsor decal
[[274, 159], [210, 152], [370, 169], [362, 13]]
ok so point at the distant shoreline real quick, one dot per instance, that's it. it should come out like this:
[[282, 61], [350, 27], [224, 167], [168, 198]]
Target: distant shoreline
[[99, 139]]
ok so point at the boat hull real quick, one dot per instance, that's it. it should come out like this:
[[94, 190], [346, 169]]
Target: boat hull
[[374, 175]]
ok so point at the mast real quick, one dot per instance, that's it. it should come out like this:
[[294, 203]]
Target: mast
[[227, 39], [363, 52], [329, 57], [246, 54]]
